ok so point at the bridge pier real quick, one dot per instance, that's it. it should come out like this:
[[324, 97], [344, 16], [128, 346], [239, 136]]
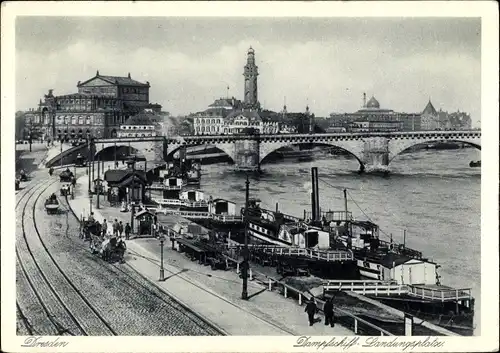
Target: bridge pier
[[247, 155], [375, 155]]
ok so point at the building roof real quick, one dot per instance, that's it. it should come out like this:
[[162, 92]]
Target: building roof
[[116, 80], [143, 118], [251, 115], [227, 103], [115, 176], [373, 103], [429, 109]]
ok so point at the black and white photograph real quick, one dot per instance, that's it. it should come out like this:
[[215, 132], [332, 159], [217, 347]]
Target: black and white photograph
[[304, 179]]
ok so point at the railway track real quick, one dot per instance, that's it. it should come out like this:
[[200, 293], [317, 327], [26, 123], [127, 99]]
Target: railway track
[[150, 292], [66, 308]]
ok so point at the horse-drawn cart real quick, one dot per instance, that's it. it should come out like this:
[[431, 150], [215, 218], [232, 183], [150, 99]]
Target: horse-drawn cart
[[66, 176], [111, 250], [51, 204]]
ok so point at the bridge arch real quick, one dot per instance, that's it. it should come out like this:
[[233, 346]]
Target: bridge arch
[[353, 147], [121, 151], [396, 147], [228, 149]]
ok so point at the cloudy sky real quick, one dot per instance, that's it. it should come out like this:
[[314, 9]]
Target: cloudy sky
[[326, 62]]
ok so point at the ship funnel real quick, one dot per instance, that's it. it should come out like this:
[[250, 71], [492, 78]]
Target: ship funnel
[[315, 215]]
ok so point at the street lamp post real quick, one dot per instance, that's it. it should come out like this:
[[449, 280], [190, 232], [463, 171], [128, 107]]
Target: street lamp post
[[162, 270], [98, 182], [90, 153], [90, 204], [244, 272]]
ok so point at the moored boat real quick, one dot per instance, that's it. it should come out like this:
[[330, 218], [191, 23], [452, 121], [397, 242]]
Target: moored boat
[[394, 265]]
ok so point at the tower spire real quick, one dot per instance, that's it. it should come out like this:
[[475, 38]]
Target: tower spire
[[250, 72]]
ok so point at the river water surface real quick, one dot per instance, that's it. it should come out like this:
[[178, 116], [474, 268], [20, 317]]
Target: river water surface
[[434, 195]]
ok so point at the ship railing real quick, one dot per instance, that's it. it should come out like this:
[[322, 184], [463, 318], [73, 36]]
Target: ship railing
[[331, 216], [175, 202], [160, 186], [285, 216], [325, 255], [187, 214], [440, 294], [365, 287], [401, 249], [227, 218]]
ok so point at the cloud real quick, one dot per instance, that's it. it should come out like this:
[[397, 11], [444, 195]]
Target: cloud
[[330, 76]]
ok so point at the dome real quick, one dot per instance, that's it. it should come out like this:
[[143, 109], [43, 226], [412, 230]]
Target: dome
[[251, 51], [373, 103]]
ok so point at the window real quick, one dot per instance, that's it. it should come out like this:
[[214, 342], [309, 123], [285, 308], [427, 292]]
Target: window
[[80, 120], [59, 118], [88, 120]]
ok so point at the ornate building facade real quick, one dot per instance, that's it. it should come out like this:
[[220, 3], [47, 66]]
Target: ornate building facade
[[100, 106], [373, 116]]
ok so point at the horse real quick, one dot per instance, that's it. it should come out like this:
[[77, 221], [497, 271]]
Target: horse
[[113, 248]]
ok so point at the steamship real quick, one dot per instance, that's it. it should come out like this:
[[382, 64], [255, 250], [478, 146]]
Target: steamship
[[375, 259]]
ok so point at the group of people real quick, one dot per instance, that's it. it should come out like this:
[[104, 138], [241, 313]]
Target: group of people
[[311, 309], [117, 229]]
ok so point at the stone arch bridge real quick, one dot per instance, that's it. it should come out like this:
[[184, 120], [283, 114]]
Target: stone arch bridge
[[373, 150]]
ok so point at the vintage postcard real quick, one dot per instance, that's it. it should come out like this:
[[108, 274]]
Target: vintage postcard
[[249, 176]]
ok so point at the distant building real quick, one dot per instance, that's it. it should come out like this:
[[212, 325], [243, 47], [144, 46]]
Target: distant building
[[100, 106], [430, 117], [238, 121], [211, 120], [372, 112], [441, 120], [144, 124]]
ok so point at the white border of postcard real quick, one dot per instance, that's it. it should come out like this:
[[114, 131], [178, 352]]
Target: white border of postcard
[[488, 11]]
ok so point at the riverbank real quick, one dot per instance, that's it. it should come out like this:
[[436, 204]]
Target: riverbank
[[214, 295]]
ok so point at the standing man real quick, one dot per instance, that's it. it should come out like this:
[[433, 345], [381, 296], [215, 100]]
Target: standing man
[[328, 311], [120, 228], [311, 309], [104, 228], [128, 230], [115, 228]]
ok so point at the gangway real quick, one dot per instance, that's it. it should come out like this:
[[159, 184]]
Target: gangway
[[366, 287]]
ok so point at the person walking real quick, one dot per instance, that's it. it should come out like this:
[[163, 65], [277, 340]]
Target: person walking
[[329, 314], [311, 309], [128, 230], [120, 228], [104, 228]]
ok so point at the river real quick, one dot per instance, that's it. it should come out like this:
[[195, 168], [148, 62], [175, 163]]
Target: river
[[434, 195]]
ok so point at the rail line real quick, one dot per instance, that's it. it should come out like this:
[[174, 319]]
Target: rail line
[[210, 293], [59, 327], [161, 295]]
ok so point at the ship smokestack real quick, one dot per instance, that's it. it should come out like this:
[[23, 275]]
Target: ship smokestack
[[315, 194]]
